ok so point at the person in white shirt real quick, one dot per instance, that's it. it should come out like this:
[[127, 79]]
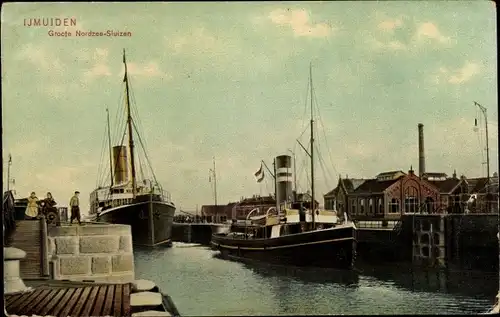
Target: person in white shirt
[[74, 203]]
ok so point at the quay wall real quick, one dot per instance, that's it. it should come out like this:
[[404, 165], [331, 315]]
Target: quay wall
[[101, 253], [442, 241], [196, 232]]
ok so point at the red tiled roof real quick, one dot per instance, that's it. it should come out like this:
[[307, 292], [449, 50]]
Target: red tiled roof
[[374, 186], [447, 185]]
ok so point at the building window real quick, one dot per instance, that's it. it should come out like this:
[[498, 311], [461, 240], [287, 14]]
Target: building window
[[370, 206], [394, 206], [362, 206], [380, 207], [353, 207]]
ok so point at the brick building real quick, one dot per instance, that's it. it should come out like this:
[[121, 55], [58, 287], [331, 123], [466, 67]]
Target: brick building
[[386, 196], [392, 193], [240, 210]]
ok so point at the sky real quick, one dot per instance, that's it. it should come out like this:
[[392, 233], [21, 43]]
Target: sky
[[230, 80]]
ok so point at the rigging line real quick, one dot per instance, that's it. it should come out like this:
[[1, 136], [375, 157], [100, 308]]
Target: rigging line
[[480, 139], [305, 129], [135, 109], [324, 133], [122, 112], [146, 155], [322, 159], [99, 168], [118, 117], [304, 115], [326, 175]]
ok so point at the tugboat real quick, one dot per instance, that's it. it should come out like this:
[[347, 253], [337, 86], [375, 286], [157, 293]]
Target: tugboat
[[147, 208], [296, 233]]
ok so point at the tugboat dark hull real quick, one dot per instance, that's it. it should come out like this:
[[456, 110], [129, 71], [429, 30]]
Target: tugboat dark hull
[[326, 248], [151, 221]]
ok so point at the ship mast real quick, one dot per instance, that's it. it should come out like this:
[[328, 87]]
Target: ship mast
[[313, 201], [214, 175], [110, 151], [484, 111], [130, 137]]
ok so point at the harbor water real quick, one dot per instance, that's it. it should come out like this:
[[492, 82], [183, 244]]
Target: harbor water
[[202, 284]]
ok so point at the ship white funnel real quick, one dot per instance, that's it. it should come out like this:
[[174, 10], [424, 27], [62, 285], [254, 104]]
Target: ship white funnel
[[284, 178]]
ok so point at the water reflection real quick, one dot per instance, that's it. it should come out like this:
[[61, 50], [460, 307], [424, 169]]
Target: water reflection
[[304, 275], [466, 283], [201, 284]]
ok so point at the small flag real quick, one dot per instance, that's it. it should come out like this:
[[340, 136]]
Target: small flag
[[261, 178], [260, 171]]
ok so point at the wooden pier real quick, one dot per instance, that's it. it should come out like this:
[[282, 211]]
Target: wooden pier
[[72, 300]]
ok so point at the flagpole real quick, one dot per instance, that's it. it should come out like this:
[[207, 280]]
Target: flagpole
[[215, 184], [8, 172]]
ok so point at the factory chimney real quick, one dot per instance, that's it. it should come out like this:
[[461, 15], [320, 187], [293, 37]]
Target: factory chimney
[[421, 152]]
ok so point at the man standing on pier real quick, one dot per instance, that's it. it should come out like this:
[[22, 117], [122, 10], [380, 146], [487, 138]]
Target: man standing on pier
[[75, 208]]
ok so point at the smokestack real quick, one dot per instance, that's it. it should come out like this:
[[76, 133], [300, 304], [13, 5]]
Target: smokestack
[[285, 177], [120, 164], [421, 152]]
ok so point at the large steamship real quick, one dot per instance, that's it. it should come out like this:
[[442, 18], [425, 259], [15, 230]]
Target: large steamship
[[142, 204]]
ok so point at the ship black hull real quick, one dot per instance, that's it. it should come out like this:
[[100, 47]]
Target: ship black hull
[[328, 248], [150, 221]]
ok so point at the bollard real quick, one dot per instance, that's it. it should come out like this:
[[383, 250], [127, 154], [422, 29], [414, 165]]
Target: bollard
[[12, 280]]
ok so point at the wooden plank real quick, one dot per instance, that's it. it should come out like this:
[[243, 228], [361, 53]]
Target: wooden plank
[[11, 298], [109, 301], [53, 302], [74, 298], [90, 302], [43, 302], [14, 306], [117, 303], [29, 300], [100, 301], [40, 297], [81, 302], [63, 302], [126, 300]]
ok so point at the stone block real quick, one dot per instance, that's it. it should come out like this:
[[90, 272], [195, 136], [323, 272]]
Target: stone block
[[126, 243], [66, 245], [74, 265], [99, 244], [13, 253], [62, 231], [150, 313], [145, 299], [101, 265], [51, 247], [104, 229], [123, 263], [142, 285]]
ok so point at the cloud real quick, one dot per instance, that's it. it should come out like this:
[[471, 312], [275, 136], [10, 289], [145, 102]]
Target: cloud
[[199, 40], [429, 30], [421, 34], [300, 23], [150, 69], [98, 70], [393, 45], [390, 25], [456, 76], [40, 57]]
